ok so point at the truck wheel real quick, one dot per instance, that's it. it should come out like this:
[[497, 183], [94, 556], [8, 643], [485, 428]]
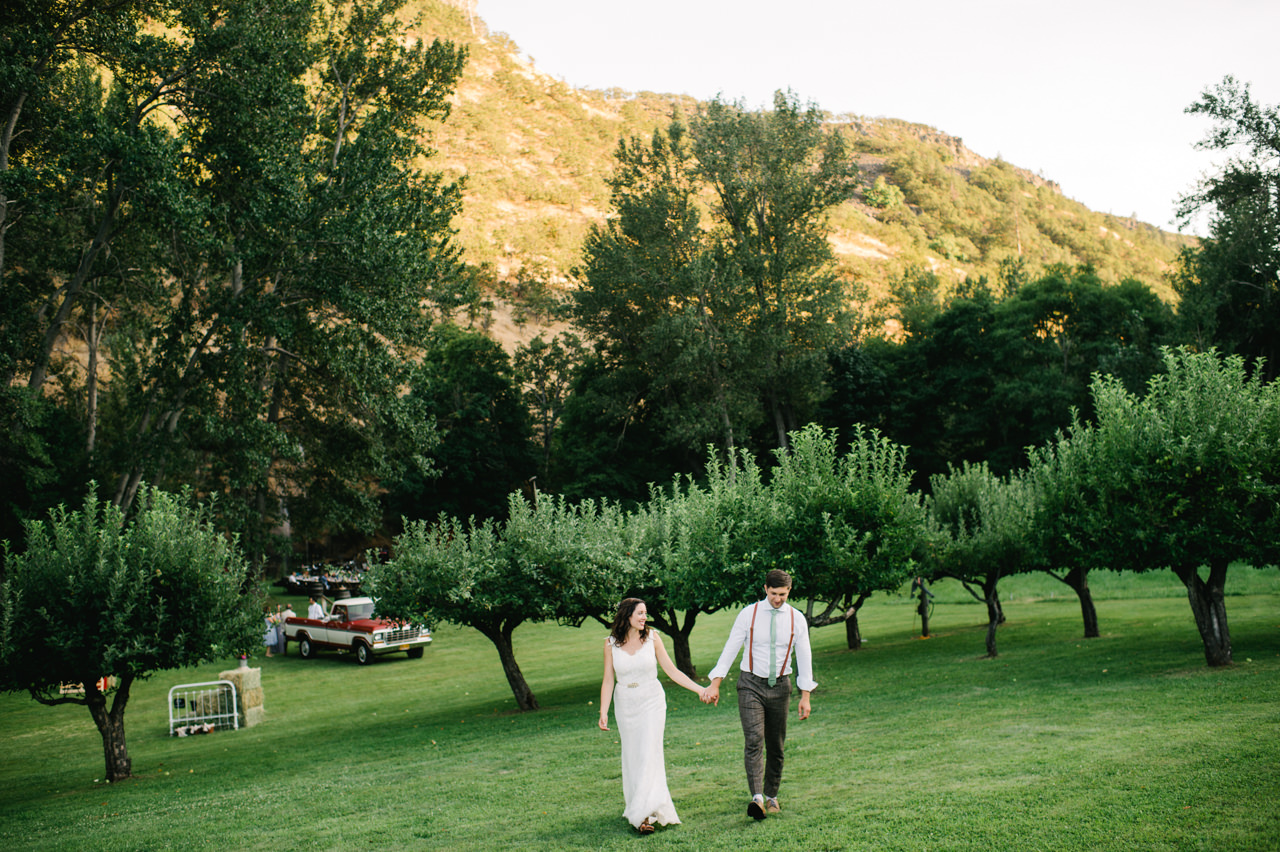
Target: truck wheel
[[415, 653], [305, 649], [363, 655]]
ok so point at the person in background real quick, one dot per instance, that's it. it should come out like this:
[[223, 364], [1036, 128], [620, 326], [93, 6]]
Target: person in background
[[314, 610], [271, 638], [287, 614]]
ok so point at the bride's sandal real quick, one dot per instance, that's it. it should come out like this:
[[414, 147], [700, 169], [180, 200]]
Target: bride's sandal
[[645, 827]]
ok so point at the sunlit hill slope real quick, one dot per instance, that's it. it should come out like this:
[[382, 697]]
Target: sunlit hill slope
[[535, 153]]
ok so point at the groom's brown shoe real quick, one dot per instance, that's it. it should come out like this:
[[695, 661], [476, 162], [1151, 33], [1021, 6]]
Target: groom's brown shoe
[[772, 806], [755, 810]]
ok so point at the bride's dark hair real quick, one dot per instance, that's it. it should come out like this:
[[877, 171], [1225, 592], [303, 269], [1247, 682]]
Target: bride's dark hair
[[622, 621]]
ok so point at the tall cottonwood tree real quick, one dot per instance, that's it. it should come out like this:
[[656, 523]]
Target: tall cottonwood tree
[[655, 300], [712, 284], [322, 251], [85, 172], [774, 175], [255, 250], [1229, 285]]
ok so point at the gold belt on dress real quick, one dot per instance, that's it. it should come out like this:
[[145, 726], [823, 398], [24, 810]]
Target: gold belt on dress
[[632, 685]]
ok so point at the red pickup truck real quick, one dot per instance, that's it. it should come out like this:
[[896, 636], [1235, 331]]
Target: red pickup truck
[[350, 625]]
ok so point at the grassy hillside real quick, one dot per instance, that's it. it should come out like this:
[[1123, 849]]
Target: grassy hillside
[[535, 152]]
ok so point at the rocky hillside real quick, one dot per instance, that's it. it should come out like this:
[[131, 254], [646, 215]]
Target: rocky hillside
[[535, 151]]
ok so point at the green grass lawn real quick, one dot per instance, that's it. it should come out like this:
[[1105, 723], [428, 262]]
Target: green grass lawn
[[1124, 742]]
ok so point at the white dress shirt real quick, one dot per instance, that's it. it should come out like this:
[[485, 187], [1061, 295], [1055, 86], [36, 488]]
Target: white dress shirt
[[795, 634]]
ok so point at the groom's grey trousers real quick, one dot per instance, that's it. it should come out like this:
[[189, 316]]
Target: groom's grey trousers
[[763, 710]]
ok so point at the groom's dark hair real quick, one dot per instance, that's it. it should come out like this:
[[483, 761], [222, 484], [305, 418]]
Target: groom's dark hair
[[777, 579]]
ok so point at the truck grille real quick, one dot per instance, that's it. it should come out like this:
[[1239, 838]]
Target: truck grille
[[403, 634]]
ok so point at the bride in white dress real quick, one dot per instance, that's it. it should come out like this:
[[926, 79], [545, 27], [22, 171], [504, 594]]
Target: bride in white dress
[[632, 654]]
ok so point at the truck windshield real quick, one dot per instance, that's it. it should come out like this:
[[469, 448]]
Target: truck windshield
[[356, 611]]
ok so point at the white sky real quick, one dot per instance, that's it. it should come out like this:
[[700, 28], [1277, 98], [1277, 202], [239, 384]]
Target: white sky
[[1088, 93]]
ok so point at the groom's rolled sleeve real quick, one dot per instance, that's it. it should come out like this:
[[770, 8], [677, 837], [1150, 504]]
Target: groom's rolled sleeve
[[804, 657], [737, 638]]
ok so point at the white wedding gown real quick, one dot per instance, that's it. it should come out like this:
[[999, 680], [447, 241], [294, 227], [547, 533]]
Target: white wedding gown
[[640, 708]]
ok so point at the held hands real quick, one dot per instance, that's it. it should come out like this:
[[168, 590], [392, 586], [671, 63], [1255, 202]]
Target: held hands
[[604, 722], [711, 695]]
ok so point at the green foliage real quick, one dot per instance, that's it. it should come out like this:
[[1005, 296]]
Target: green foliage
[[979, 379], [1064, 526], [883, 195], [985, 533], [1229, 286], [605, 446], [986, 522], [846, 524], [42, 460], [465, 386], [95, 595], [774, 176], [545, 370], [1186, 477], [724, 327], [701, 536], [254, 253], [548, 560]]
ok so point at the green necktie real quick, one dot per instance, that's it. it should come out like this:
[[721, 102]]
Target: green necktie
[[773, 646]]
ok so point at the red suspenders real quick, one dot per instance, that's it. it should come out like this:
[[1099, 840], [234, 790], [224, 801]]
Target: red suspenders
[[751, 640]]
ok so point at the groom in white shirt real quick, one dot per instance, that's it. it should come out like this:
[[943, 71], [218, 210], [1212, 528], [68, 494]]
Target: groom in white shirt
[[769, 631]]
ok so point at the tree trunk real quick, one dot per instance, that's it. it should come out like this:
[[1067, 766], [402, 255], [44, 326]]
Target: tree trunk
[[991, 639], [668, 623], [995, 616], [852, 633], [991, 597], [111, 725], [501, 638], [779, 422], [923, 609], [681, 655], [1210, 610], [6, 142], [91, 381], [1078, 579], [106, 226]]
